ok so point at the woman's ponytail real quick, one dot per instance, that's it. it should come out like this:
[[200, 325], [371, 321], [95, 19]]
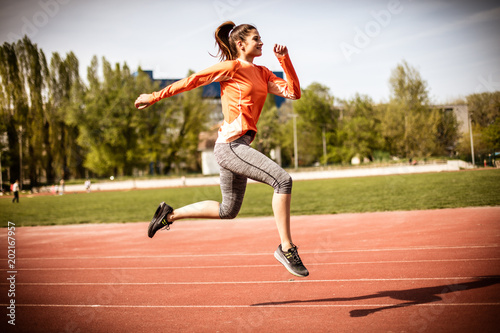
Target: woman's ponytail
[[226, 36], [222, 40]]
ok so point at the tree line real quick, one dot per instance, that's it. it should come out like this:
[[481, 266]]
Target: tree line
[[56, 126], [333, 130]]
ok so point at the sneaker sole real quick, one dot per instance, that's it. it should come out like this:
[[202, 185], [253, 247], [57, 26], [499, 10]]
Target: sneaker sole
[[285, 264]]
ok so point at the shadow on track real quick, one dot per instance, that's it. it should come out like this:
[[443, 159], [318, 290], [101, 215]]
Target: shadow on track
[[415, 296]]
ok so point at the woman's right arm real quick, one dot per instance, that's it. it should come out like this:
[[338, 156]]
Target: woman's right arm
[[219, 72], [143, 101]]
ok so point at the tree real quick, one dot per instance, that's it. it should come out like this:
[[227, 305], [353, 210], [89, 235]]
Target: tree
[[270, 126], [22, 69], [109, 124], [64, 154], [152, 129], [186, 117], [359, 130], [484, 110], [447, 135], [316, 123], [32, 66], [14, 106], [408, 124], [491, 136], [35, 101]]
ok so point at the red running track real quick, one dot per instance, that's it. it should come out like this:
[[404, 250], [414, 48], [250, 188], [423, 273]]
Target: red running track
[[419, 271]]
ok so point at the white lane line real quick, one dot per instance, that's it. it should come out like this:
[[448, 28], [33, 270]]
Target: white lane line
[[254, 266], [250, 306], [236, 282], [319, 251]]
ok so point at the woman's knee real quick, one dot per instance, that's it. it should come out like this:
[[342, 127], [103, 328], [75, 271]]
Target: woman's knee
[[285, 185], [228, 213]]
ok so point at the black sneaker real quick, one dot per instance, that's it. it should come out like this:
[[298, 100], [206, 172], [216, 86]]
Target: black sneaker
[[291, 260], [160, 219]]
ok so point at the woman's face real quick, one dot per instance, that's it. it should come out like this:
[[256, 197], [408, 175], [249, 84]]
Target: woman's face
[[252, 45]]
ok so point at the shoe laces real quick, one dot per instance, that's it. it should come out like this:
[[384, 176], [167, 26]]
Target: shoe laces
[[294, 255], [166, 224]]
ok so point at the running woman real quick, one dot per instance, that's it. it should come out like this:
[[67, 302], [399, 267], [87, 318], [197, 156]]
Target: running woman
[[244, 88]]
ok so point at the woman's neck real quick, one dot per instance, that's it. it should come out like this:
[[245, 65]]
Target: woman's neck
[[246, 58]]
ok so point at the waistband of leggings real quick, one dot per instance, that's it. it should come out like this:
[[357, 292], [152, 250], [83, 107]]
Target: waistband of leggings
[[250, 133]]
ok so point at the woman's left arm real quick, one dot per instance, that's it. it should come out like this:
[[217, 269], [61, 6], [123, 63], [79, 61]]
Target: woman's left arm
[[289, 88]]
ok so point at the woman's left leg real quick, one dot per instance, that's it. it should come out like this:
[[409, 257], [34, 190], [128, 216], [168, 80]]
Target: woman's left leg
[[243, 160], [281, 208], [240, 158]]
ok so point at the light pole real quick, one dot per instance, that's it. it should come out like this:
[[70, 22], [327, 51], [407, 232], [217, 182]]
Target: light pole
[[471, 140], [324, 145], [21, 157], [295, 148], [3, 143]]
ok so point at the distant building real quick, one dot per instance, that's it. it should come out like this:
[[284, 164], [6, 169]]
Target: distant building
[[461, 112]]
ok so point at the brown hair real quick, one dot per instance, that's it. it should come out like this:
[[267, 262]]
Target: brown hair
[[226, 36]]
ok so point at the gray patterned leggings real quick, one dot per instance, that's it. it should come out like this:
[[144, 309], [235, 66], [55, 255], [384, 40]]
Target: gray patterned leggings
[[238, 162]]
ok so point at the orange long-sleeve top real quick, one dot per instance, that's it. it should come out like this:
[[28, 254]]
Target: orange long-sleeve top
[[244, 88]]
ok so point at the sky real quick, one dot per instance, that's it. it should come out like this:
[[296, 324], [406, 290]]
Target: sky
[[349, 46]]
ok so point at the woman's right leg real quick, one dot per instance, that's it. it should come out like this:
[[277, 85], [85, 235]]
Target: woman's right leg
[[200, 210], [233, 188], [166, 215]]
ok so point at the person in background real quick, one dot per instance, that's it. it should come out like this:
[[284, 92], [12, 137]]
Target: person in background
[[61, 187], [87, 185], [15, 189]]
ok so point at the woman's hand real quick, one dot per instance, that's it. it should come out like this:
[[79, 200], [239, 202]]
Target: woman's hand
[[280, 51], [143, 101]]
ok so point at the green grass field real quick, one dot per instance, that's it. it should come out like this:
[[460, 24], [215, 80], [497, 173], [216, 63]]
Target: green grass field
[[348, 195]]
